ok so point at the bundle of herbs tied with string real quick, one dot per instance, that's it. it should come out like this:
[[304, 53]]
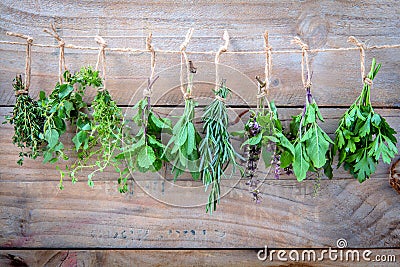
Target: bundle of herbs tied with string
[[144, 151], [184, 154], [364, 136], [216, 150], [28, 120], [265, 138]]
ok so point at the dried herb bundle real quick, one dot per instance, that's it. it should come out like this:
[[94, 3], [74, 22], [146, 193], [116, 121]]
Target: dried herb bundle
[[364, 136], [27, 118], [184, 153], [216, 149], [311, 143]]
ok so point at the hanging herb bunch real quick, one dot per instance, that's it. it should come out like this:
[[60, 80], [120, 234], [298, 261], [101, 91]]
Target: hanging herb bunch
[[185, 140], [265, 137], [65, 104], [27, 118], [216, 150], [311, 143], [364, 136], [104, 140], [144, 151]]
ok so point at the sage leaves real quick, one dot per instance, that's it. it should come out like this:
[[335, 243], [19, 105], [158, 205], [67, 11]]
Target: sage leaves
[[27, 118], [216, 150], [311, 144], [364, 136]]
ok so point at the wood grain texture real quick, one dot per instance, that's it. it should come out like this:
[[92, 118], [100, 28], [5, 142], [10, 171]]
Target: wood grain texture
[[169, 258], [157, 213]]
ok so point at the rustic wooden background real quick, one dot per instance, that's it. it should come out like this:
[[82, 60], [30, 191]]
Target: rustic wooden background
[[35, 214]]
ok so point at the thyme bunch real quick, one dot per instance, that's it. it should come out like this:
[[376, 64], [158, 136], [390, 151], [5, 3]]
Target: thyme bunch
[[27, 118], [216, 150]]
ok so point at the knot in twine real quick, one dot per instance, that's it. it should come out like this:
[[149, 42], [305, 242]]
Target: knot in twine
[[148, 91], [220, 98], [28, 59], [189, 64], [304, 61], [362, 48], [221, 50], [21, 92], [61, 45]]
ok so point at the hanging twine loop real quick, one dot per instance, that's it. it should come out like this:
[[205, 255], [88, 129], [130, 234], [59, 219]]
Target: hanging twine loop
[[61, 45], [362, 48], [221, 50], [306, 78], [187, 94], [28, 61], [101, 56], [263, 87], [148, 91]]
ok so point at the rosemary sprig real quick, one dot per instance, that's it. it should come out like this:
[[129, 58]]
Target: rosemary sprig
[[216, 149], [364, 136], [27, 118]]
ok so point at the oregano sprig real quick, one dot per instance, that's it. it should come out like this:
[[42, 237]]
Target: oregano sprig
[[363, 136], [27, 118], [104, 140], [216, 150], [65, 103]]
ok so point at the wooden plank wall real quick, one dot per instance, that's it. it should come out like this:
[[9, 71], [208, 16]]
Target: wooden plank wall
[[157, 214]]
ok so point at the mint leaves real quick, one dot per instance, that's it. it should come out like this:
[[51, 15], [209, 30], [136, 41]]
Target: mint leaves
[[363, 136]]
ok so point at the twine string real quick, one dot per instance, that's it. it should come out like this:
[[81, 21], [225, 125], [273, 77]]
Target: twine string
[[28, 60], [61, 44], [362, 48], [263, 87], [305, 64], [187, 94], [222, 49], [149, 48], [101, 56]]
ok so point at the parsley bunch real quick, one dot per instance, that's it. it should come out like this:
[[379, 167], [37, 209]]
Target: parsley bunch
[[216, 149], [364, 136], [27, 118], [311, 143]]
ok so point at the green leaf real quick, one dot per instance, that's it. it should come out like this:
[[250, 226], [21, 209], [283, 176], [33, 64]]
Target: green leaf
[[183, 135], [317, 147], [286, 143], [365, 129], [364, 168], [266, 156], [80, 138], [68, 107], [239, 133], [65, 89], [253, 140], [376, 120], [42, 95], [51, 136], [270, 138], [190, 138], [310, 113], [146, 157], [300, 165], [286, 159]]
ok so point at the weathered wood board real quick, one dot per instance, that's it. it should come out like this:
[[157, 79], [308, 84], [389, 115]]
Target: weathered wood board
[[35, 214]]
